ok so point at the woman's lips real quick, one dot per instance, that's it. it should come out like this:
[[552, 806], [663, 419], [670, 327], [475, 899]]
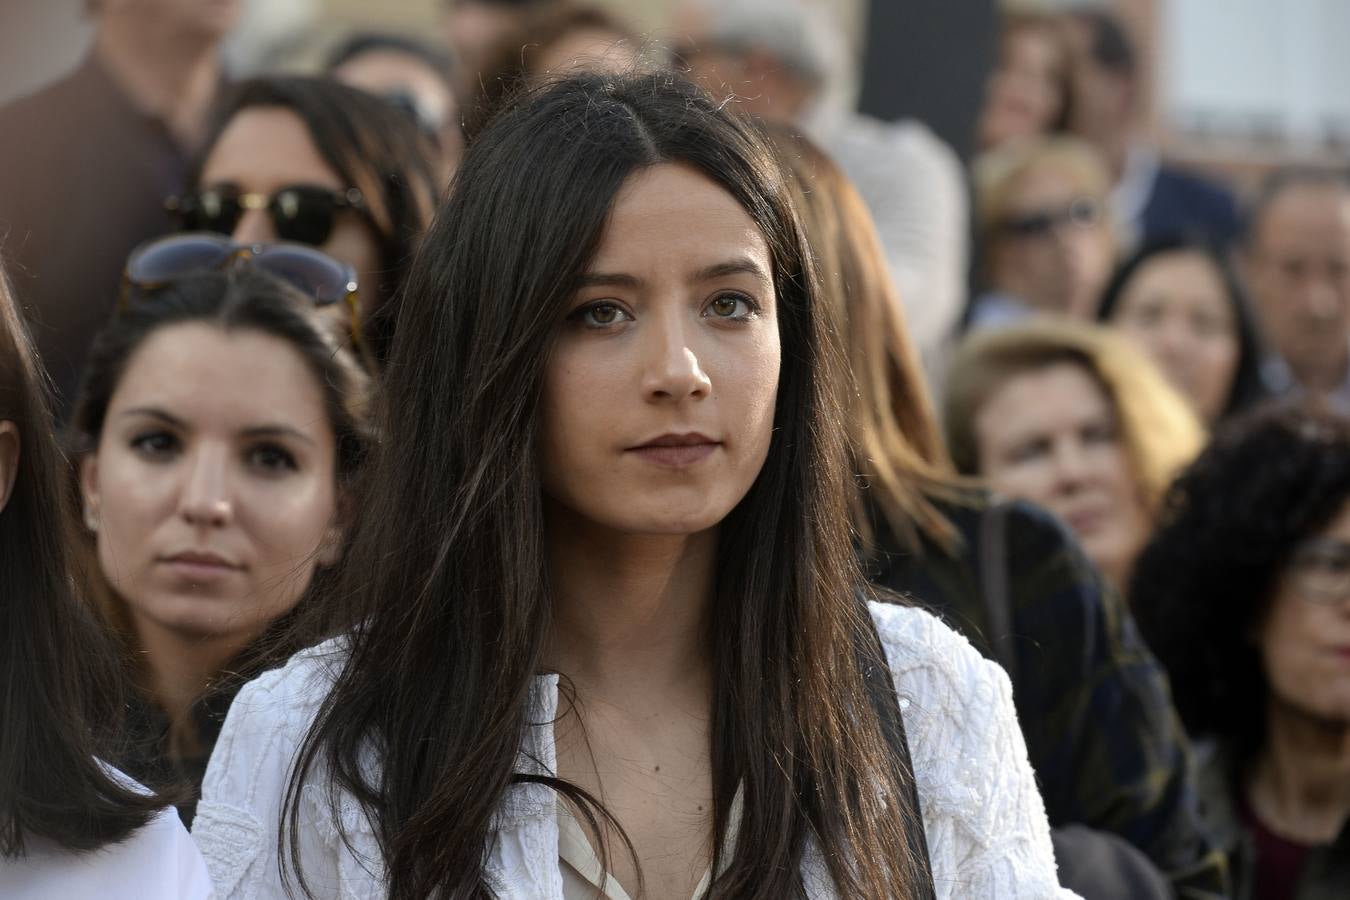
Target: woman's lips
[[200, 566], [675, 454], [676, 449]]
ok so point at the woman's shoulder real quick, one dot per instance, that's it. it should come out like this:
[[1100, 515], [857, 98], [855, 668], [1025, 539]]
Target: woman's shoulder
[[293, 693], [983, 817], [924, 652], [158, 862]]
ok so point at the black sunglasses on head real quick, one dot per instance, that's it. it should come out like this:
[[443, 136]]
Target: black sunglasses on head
[[323, 279], [1042, 222], [304, 213]]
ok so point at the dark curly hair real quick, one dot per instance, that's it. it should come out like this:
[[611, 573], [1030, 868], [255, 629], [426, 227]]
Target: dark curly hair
[[1226, 531]]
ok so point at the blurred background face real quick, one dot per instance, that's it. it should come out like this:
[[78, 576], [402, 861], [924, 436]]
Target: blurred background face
[[1103, 99], [1305, 639], [474, 29], [1025, 92], [1299, 268], [406, 80], [1053, 246], [214, 497], [1050, 436], [1176, 307], [659, 397], [587, 50], [264, 149]]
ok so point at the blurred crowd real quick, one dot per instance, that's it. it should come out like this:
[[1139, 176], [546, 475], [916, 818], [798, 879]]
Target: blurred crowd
[[1099, 406]]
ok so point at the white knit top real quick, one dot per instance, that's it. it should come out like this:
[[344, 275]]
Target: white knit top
[[985, 822]]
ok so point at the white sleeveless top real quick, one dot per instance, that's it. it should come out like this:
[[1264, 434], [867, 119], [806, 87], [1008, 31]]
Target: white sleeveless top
[[983, 816]]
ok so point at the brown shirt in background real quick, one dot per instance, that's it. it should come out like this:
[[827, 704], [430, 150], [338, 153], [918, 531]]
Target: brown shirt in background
[[83, 178]]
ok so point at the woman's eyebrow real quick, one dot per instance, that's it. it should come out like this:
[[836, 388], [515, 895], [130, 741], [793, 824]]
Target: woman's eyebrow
[[153, 412], [608, 279], [741, 266], [274, 431]]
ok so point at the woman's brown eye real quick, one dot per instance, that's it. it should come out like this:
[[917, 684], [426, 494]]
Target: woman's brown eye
[[725, 306], [604, 315]]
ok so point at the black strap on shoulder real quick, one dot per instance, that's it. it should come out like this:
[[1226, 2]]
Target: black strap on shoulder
[[881, 690]]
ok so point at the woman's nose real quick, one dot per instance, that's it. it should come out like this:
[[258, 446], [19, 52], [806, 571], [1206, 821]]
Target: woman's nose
[[254, 227], [673, 369], [206, 500]]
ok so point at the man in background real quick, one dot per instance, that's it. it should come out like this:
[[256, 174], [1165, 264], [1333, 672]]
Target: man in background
[[1151, 199], [785, 61], [1297, 263], [87, 162]]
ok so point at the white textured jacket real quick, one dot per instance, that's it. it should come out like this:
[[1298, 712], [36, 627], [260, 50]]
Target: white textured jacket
[[986, 826]]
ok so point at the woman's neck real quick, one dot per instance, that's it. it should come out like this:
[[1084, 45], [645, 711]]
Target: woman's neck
[[1300, 782], [629, 611], [178, 668]]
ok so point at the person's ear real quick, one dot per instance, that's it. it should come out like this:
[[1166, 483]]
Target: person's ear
[[89, 490], [335, 535], [9, 460], [330, 548]]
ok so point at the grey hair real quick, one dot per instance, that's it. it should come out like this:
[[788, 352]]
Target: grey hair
[[805, 37]]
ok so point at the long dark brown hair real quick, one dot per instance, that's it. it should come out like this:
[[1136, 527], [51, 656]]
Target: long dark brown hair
[[446, 600], [60, 678]]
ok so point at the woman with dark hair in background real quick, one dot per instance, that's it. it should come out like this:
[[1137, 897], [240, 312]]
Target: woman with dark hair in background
[[220, 429], [1244, 593], [602, 630], [1181, 301], [1092, 702], [70, 824], [316, 162]]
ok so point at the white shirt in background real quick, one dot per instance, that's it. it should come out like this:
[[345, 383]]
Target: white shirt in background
[[158, 862]]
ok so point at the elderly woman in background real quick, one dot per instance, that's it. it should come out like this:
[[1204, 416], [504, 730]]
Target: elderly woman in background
[[1045, 242], [1244, 592], [1074, 418], [1181, 301]]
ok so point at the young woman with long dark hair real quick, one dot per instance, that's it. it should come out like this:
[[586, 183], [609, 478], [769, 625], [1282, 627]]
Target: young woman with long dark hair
[[70, 824], [219, 432], [603, 632]]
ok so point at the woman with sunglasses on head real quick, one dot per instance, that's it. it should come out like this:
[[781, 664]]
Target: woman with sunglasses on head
[[315, 162], [219, 431], [70, 824], [601, 632], [1244, 593]]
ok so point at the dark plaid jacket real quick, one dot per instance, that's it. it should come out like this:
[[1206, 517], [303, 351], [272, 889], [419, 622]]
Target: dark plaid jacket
[[1325, 873], [1094, 704]]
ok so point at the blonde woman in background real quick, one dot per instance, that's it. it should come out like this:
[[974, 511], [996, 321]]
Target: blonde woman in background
[[1076, 419], [1044, 238]]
